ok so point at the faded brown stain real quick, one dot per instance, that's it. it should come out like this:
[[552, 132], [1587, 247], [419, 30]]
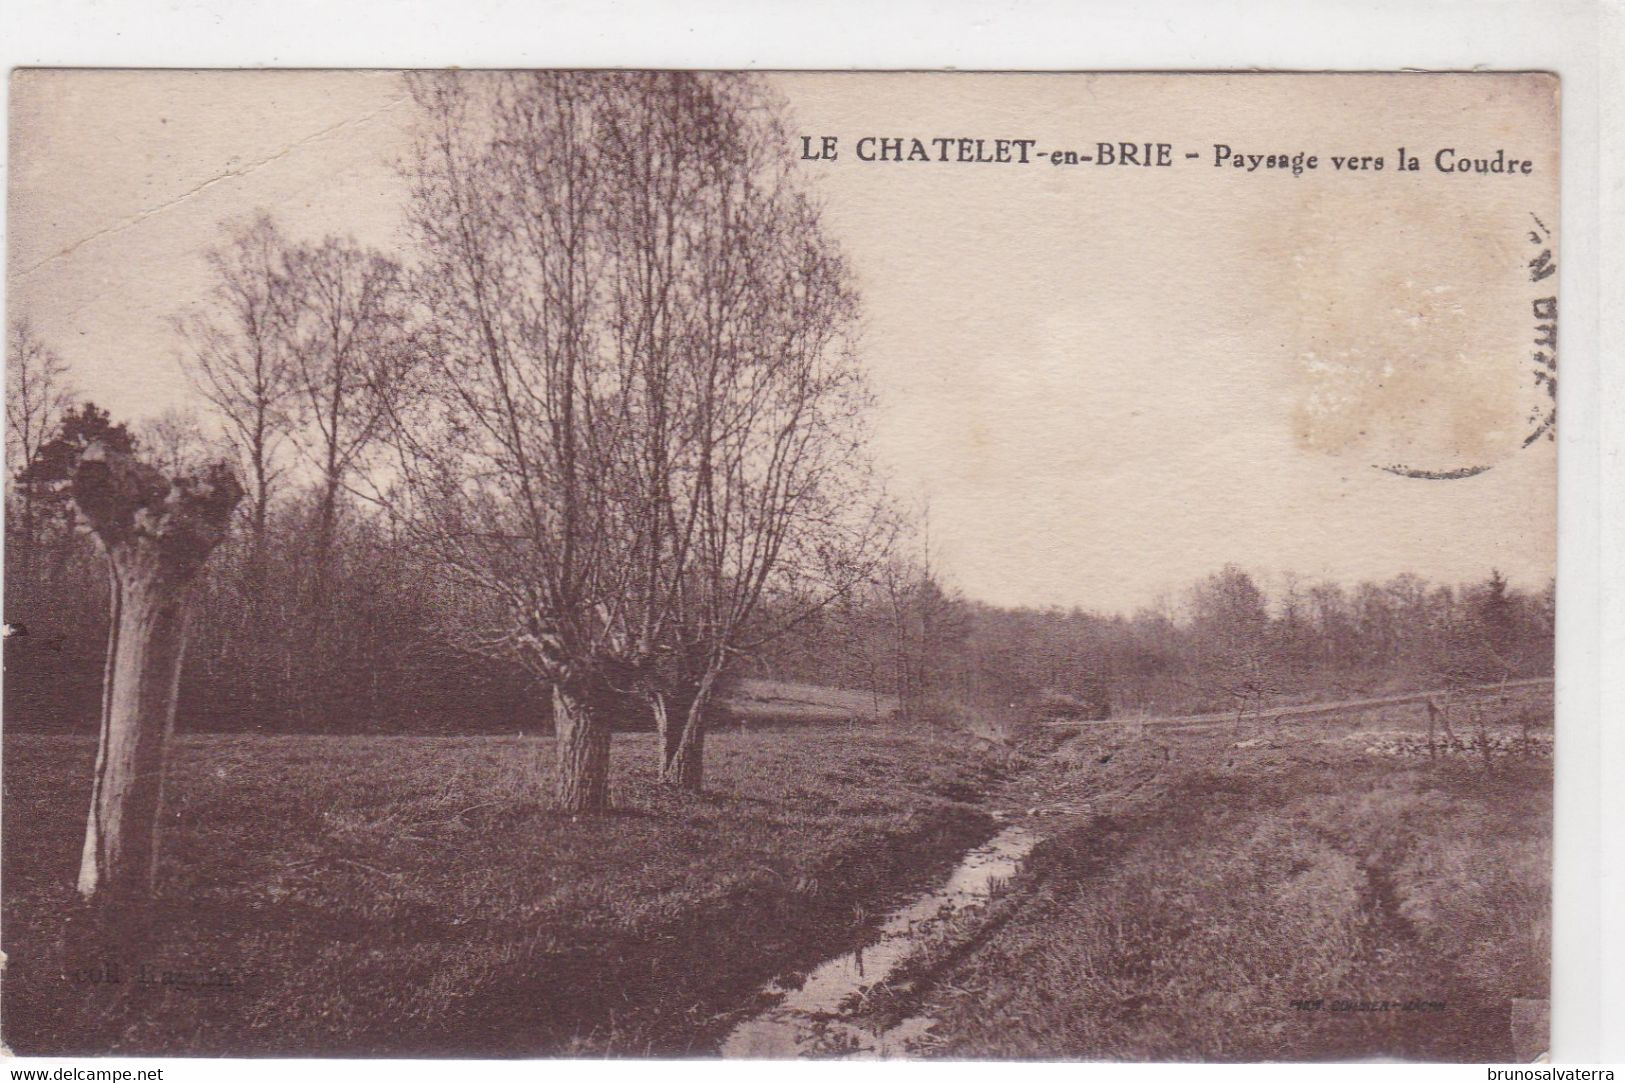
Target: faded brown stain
[[1410, 347]]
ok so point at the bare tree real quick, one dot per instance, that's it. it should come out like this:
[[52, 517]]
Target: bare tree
[[641, 391], [174, 442], [926, 627], [1230, 627], [512, 464], [38, 392], [240, 358], [347, 338], [733, 314]]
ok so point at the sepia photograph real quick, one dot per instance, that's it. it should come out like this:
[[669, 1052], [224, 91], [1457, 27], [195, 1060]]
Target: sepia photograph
[[757, 565]]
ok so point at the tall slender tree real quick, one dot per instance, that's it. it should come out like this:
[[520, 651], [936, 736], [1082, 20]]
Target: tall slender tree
[[239, 356], [348, 339], [39, 390]]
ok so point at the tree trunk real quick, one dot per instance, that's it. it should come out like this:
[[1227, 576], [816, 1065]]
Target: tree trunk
[[686, 766], [665, 732], [581, 735], [681, 723], [670, 710], [120, 858], [157, 533]]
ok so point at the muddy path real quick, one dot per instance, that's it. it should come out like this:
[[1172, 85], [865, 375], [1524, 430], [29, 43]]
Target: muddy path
[[851, 1005], [812, 1018]]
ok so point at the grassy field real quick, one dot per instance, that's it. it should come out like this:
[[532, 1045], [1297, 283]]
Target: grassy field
[[1209, 893], [1206, 890], [416, 896], [756, 701]]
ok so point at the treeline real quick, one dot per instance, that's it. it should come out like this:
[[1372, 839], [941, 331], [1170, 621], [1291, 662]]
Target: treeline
[[297, 629], [1225, 644]]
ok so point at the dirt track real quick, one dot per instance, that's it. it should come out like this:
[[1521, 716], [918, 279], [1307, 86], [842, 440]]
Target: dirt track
[[1307, 710]]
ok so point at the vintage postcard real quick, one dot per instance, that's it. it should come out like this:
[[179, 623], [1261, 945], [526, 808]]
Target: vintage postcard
[[765, 565]]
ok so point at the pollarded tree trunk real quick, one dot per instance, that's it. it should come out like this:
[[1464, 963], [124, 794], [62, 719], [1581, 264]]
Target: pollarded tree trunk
[[670, 708], [685, 767], [144, 660], [156, 533], [681, 723], [581, 734]]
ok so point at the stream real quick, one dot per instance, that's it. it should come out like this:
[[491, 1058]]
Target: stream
[[812, 1017]]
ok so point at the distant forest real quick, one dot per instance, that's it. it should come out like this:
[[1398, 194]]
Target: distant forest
[[1225, 644], [333, 623]]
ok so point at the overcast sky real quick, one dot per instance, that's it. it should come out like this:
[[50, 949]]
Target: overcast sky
[[1106, 382]]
